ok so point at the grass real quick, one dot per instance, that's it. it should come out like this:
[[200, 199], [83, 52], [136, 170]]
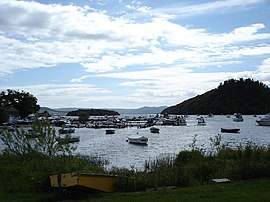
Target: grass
[[248, 191], [253, 190], [26, 166]]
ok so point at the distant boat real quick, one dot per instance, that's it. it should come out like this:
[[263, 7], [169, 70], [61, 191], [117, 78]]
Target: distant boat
[[138, 139], [65, 138], [110, 131], [210, 115], [66, 130], [230, 130], [264, 121], [238, 117], [201, 121], [154, 130]]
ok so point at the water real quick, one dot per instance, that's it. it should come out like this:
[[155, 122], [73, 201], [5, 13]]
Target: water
[[170, 140]]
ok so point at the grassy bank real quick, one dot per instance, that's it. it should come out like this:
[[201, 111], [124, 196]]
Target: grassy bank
[[27, 163], [252, 190], [248, 191]]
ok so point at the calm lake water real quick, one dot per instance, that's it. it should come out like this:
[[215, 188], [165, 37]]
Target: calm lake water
[[170, 140]]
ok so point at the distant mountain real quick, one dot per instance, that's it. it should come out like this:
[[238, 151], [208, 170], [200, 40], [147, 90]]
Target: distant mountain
[[142, 110], [244, 96]]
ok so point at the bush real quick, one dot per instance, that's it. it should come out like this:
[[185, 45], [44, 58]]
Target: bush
[[31, 157]]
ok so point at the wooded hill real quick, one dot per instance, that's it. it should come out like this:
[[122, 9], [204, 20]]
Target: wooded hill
[[93, 112], [245, 96]]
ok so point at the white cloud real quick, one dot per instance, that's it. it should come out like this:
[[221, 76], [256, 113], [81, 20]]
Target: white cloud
[[265, 67], [61, 94], [157, 57], [207, 8], [42, 35]]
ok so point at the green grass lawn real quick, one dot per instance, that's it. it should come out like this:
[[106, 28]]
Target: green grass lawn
[[247, 191], [253, 190]]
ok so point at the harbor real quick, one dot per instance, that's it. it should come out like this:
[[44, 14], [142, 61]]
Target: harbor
[[169, 141]]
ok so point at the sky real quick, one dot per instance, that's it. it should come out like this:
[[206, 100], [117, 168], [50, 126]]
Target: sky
[[130, 53]]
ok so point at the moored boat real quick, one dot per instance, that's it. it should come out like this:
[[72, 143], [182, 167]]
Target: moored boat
[[154, 130], [238, 117], [66, 130], [67, 138], [110, 131], [138, 139], [230, 130], [201, 121], [264, 121]]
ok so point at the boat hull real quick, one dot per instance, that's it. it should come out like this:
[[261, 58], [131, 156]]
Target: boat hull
[[138, 140], [230, 130], [110, 131], [263, 123], [154, 130], [67, 139]]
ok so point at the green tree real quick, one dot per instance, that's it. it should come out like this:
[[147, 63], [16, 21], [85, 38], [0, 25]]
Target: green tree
[[3, 116], [41, 139], [83, 116], [24, 102]]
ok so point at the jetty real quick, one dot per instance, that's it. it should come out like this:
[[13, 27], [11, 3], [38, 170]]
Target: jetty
[[99, 182]]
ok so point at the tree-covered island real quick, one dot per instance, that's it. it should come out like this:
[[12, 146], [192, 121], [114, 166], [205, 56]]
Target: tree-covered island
[[93, 112]]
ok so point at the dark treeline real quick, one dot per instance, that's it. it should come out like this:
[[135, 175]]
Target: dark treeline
[[245, 96], [93, 112]]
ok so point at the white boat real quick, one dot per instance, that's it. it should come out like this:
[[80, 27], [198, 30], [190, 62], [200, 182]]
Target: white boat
[[138, 139], [264, 121], [67, 138], [201, 121], [238, 117], [154, 130]]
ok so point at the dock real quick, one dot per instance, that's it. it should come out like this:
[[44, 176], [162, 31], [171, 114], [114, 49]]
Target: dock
[[99, 182]]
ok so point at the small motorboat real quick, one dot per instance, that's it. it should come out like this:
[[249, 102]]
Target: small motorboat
[[238, 117], [66, 130], [137, 139], [154, 130], [201, 121], [264, 121], [230, 130], [67, 138], [110, 131]]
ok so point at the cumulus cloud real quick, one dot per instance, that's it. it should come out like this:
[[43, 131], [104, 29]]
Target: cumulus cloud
[[142, 53], [61, 94], [55, 33]]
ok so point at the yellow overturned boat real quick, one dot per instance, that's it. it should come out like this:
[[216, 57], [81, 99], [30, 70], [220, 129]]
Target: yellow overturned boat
[[103, 183]]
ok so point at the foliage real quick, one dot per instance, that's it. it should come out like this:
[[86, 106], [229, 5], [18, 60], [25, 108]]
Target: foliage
[[30, 158], [41, 139], [248, 191], [24, 102], [93, 112], [244, 95], [83, 116], [30, 172], [3, 116], [195, 166], [26, 168]]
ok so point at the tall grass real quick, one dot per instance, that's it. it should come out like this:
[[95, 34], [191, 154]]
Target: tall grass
[[30, 158], [26, 165], [195, 166]]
